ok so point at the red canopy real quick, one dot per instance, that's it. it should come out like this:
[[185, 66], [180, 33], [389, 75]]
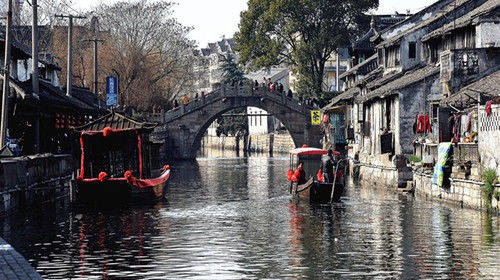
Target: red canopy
[[310, 151]]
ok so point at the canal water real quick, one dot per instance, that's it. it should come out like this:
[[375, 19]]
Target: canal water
[[232, 218]]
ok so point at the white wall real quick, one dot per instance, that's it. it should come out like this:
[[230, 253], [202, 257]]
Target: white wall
[[487, 32], [257, 125], [488, 135]]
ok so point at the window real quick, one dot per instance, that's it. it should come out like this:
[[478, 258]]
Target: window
[[392, 57], [388, 115], [412, 50]]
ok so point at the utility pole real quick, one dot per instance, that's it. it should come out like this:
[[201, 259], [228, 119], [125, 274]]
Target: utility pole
[[6, 79], [34, 78], [337, 70], [95, 41], [69, 69]]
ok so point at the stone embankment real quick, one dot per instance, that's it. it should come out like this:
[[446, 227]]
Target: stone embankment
[[14, 266], [278, 143], [33, 180], [462, 191]]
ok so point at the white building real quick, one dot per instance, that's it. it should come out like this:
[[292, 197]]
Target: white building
[[210, 60]]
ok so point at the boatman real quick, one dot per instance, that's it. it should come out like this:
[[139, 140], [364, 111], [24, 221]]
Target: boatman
[[327, 166]]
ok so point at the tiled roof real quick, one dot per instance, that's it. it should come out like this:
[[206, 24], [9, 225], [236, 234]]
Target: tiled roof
[[115, 120], [274, 74], [444, 12], [51, 96], [465, 20], [364, 42], [384, 79], [487, 87], [346, 95], [358, 66], [407, 79], [222, 46]]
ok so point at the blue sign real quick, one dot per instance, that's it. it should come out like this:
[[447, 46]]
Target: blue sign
[[111, 91]]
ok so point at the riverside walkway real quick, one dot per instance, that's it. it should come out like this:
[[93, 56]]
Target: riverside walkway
[[13, 266]]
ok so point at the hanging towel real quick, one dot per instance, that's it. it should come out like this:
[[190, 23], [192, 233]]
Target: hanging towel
[[428, 128], [443, 155], [421, 124], [488, 107]]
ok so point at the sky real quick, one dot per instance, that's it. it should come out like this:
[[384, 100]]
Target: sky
[[213, 19]]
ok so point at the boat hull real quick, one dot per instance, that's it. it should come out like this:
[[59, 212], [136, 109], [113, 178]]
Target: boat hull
[[121, 189], [117, 191], [317, 192]]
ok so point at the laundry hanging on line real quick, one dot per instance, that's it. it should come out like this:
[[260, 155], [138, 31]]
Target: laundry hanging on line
[[422, 124]]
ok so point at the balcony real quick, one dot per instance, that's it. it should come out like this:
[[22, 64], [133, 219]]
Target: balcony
[[459, 67], [465, 154]]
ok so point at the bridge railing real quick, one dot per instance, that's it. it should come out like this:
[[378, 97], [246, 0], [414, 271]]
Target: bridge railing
[[226, 91]]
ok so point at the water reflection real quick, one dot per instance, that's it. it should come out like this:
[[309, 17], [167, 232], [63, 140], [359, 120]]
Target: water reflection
[[232, 218]]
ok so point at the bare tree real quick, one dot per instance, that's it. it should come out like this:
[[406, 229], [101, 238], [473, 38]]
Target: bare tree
[[149, 49]]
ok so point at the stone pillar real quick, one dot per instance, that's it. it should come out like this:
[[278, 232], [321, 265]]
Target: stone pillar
[[271, 143]]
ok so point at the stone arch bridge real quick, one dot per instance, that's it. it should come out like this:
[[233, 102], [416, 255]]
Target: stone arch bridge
[[184, 127]]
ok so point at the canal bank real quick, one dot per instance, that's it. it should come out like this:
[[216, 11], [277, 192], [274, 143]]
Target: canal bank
[[28, 183], [34, 180], [13, 265], [459, 190], [265, 143]]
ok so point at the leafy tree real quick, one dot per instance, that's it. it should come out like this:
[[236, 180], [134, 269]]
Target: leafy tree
[[300, 33], [232, 125], [230, 70]]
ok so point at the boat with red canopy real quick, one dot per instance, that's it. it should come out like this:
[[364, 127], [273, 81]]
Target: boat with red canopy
[[303, 183], [116, 160]]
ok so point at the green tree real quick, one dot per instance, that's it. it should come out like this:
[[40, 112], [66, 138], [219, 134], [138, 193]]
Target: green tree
[[230, 70], [299, 33], [232, 125]]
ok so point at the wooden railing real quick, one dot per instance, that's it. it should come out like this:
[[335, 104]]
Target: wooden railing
[[464, 153]]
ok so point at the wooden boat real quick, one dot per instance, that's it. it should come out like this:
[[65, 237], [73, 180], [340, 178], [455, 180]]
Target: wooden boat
[[116, 163], [314, 190]]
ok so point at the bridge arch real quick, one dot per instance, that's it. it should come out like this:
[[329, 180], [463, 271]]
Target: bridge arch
[[185, 127], [195, 146]]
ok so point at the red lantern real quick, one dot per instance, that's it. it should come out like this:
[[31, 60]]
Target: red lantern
[[103, 176], [107, 131]]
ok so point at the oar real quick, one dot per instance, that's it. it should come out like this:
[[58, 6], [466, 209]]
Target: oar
[[334, 180]]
